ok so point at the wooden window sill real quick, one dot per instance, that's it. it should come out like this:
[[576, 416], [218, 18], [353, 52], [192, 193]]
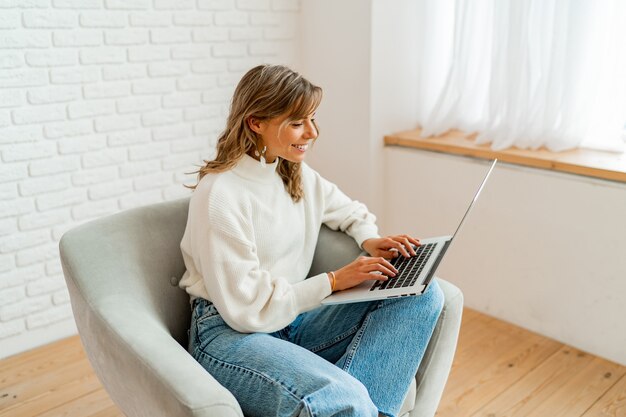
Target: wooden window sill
[[591, 163]]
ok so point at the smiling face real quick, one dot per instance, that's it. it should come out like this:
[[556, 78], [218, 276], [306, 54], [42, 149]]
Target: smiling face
[[285, 137]]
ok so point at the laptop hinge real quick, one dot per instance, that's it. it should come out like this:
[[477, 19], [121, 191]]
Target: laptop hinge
[[431, 274]]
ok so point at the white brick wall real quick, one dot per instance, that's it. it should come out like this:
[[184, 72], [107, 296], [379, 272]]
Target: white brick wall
[[104, 105]]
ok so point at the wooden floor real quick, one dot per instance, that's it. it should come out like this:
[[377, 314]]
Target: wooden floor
[[499, 370]]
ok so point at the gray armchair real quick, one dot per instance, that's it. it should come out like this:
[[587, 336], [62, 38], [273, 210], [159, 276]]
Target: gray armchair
[[122, 273]]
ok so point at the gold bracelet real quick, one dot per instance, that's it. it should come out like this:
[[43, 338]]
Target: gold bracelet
[[333, 281]]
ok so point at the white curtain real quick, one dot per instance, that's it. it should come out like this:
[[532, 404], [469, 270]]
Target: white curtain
[[524, 73]]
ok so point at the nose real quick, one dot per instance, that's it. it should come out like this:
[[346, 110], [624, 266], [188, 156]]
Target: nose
[[311, 130]]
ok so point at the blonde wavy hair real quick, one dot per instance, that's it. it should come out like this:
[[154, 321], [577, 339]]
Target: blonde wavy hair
[[264, 92]]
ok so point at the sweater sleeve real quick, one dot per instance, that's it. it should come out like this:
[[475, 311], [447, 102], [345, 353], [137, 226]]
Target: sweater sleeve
[[345, 214], [248, 297]]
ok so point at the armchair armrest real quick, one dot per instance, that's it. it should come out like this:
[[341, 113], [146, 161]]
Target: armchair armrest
[[435, 367], [145, 371], [131, 319]]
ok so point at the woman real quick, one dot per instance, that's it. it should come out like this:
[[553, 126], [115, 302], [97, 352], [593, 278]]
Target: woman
[[257, 325]]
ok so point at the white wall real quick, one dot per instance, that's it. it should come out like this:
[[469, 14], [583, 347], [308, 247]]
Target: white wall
[[352, 50], [562, 234], [394, 87], [540, 249], [104, 105], [335, 51]]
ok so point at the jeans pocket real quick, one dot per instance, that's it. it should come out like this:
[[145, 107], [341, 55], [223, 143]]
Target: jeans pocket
[[206, 314], [206, 324], [203, 309]]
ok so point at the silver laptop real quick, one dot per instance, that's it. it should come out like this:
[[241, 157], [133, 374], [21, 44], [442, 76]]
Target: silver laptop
[[414, 273]]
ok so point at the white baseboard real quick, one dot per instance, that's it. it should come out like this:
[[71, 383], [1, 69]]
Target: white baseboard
[[36, 338]]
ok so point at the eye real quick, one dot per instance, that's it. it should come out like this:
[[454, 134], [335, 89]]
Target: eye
[[296, 124]]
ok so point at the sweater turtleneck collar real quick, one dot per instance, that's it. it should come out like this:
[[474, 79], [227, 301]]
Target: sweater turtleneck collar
[[251, 169]]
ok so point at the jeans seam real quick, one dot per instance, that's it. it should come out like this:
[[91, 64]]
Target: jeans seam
[[206, 316], [335, 339], [356, 341], [359, 335], [252, 372], [309, 407]]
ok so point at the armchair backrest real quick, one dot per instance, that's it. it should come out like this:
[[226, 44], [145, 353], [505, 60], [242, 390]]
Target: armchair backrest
[[133, 257], [334, 249]]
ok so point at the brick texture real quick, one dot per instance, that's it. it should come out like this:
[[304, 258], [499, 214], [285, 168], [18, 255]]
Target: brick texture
[[106, 104]]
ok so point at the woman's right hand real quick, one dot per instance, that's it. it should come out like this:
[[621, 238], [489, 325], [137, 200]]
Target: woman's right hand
[[361, 269]]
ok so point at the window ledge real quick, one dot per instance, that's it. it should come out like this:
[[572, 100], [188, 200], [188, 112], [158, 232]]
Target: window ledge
[[591, 163]]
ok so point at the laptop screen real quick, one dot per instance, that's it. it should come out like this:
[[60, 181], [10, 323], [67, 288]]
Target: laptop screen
[[482, 185]]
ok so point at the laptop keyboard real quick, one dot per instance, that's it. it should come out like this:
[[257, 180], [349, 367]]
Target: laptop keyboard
[[409, 269]]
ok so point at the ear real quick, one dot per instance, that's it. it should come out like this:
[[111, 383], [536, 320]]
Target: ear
[[255, 124]]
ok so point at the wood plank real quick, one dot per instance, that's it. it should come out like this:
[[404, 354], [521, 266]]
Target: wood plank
[[612, 403], [468, 316], [473, 327], [484, 386], [53, 390], [504, 354], [25, 389], [480, 335], [521, 398], [477, 335], [111, 411], [12, 363], [587, 162], [84, 406], [582, 390], [67, 344], [484, 339], [39, 362]]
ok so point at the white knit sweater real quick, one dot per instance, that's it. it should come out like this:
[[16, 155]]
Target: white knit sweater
[[248, 247]]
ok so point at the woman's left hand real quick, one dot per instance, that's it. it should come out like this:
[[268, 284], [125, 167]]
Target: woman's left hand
[[389, 247]]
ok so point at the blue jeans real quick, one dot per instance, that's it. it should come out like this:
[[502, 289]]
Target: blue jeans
[[341, 360]]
